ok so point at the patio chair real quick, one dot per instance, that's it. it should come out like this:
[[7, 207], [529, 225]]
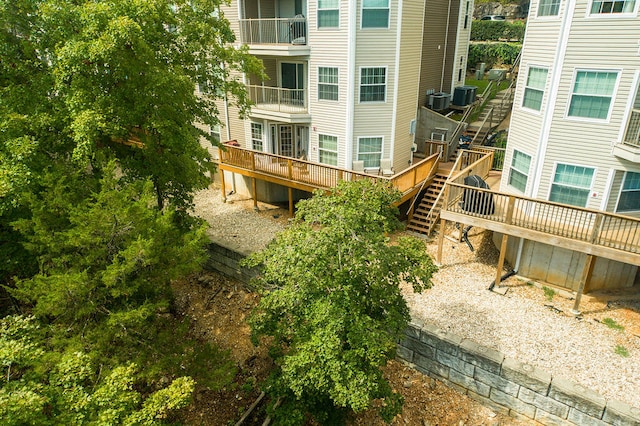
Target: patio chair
[[385, 167]]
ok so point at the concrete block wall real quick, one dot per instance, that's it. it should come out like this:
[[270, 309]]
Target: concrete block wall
[[507, 385], [226, 261]]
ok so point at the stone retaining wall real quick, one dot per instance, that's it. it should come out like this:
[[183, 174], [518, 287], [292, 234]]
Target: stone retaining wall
[[225, 261], [507, 385], [503, 384]]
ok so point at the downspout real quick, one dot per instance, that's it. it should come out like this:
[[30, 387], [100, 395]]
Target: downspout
[[351, 75], [396, 83], [446, 44]]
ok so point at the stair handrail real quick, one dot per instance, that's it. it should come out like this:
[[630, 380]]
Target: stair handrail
[[452, 146], [456, 166], [490, 114], [415, 197]]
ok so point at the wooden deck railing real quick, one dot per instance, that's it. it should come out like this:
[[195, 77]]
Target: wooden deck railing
[[308, 176], [613, 236], [589, 226], [436, 147]]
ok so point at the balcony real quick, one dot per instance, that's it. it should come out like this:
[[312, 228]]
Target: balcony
[[629, 149], [288, 105], [275, 36]]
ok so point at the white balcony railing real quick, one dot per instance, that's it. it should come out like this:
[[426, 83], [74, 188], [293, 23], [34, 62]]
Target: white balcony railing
[[274, 31], [632, 136], [292, 101]]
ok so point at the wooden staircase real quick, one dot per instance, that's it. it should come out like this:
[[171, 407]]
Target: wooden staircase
[[426, 215]]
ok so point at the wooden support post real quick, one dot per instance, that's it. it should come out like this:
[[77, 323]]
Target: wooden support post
[[254, 188], [443, 223], [290, 190], [222, 186], [503, 250], [584, 282]]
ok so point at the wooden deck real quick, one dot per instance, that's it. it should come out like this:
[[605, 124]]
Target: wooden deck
[[588, 231], [308, 176]]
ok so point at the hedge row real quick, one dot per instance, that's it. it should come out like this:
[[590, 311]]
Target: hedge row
[[493, 54], [497, 30]]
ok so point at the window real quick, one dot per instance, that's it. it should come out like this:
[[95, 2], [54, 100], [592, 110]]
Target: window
[[571, 185], [632, 135], [375, 13], [519, 172], [328, 147], [549, 8], [370, 151], [373, 84], [592, 94], [328, 13], [328, 84], [466, 14], [612, 6], [630, 194], [256, 137], [214, 131], [534, 89]]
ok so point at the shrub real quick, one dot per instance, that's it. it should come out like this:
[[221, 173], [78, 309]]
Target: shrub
[[497, 30], [493, 54]]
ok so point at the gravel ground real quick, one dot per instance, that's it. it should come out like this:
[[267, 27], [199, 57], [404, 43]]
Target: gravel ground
[[524, 324]]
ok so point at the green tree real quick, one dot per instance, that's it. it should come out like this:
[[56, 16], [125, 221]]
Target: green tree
[[332, 305], [78, 78], [38, 386]]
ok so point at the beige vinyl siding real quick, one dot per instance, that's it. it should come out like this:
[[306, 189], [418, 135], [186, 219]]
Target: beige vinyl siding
[[462, 43], [452, 61], [330, 49], [230, 12], [616, 186], [593, 44], [525, 129], [375, 47], [409, 68], [435, 15]]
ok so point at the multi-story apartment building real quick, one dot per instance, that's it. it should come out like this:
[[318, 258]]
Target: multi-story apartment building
[[574, 136], [345, 78]]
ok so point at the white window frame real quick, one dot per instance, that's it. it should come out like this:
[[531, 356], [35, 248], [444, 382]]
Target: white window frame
[[321, 149], [601, 15], [626, 173], [538, 15], [216, 129], [572, 93], [386, 75], [525, 173], [362, 12], [336, 84], [255, 140], [526, 86], [552, 181], [372, 152], [326, 9]]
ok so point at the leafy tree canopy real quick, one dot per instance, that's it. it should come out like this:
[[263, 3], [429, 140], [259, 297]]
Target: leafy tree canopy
[[332, 304], [77, 78], [38, 386]]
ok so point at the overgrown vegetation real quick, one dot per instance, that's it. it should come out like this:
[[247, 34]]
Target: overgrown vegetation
[[332, 309], [93, 226], [611, 323], [549, 293], [622, 351], [497, 31], [493, 54]]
